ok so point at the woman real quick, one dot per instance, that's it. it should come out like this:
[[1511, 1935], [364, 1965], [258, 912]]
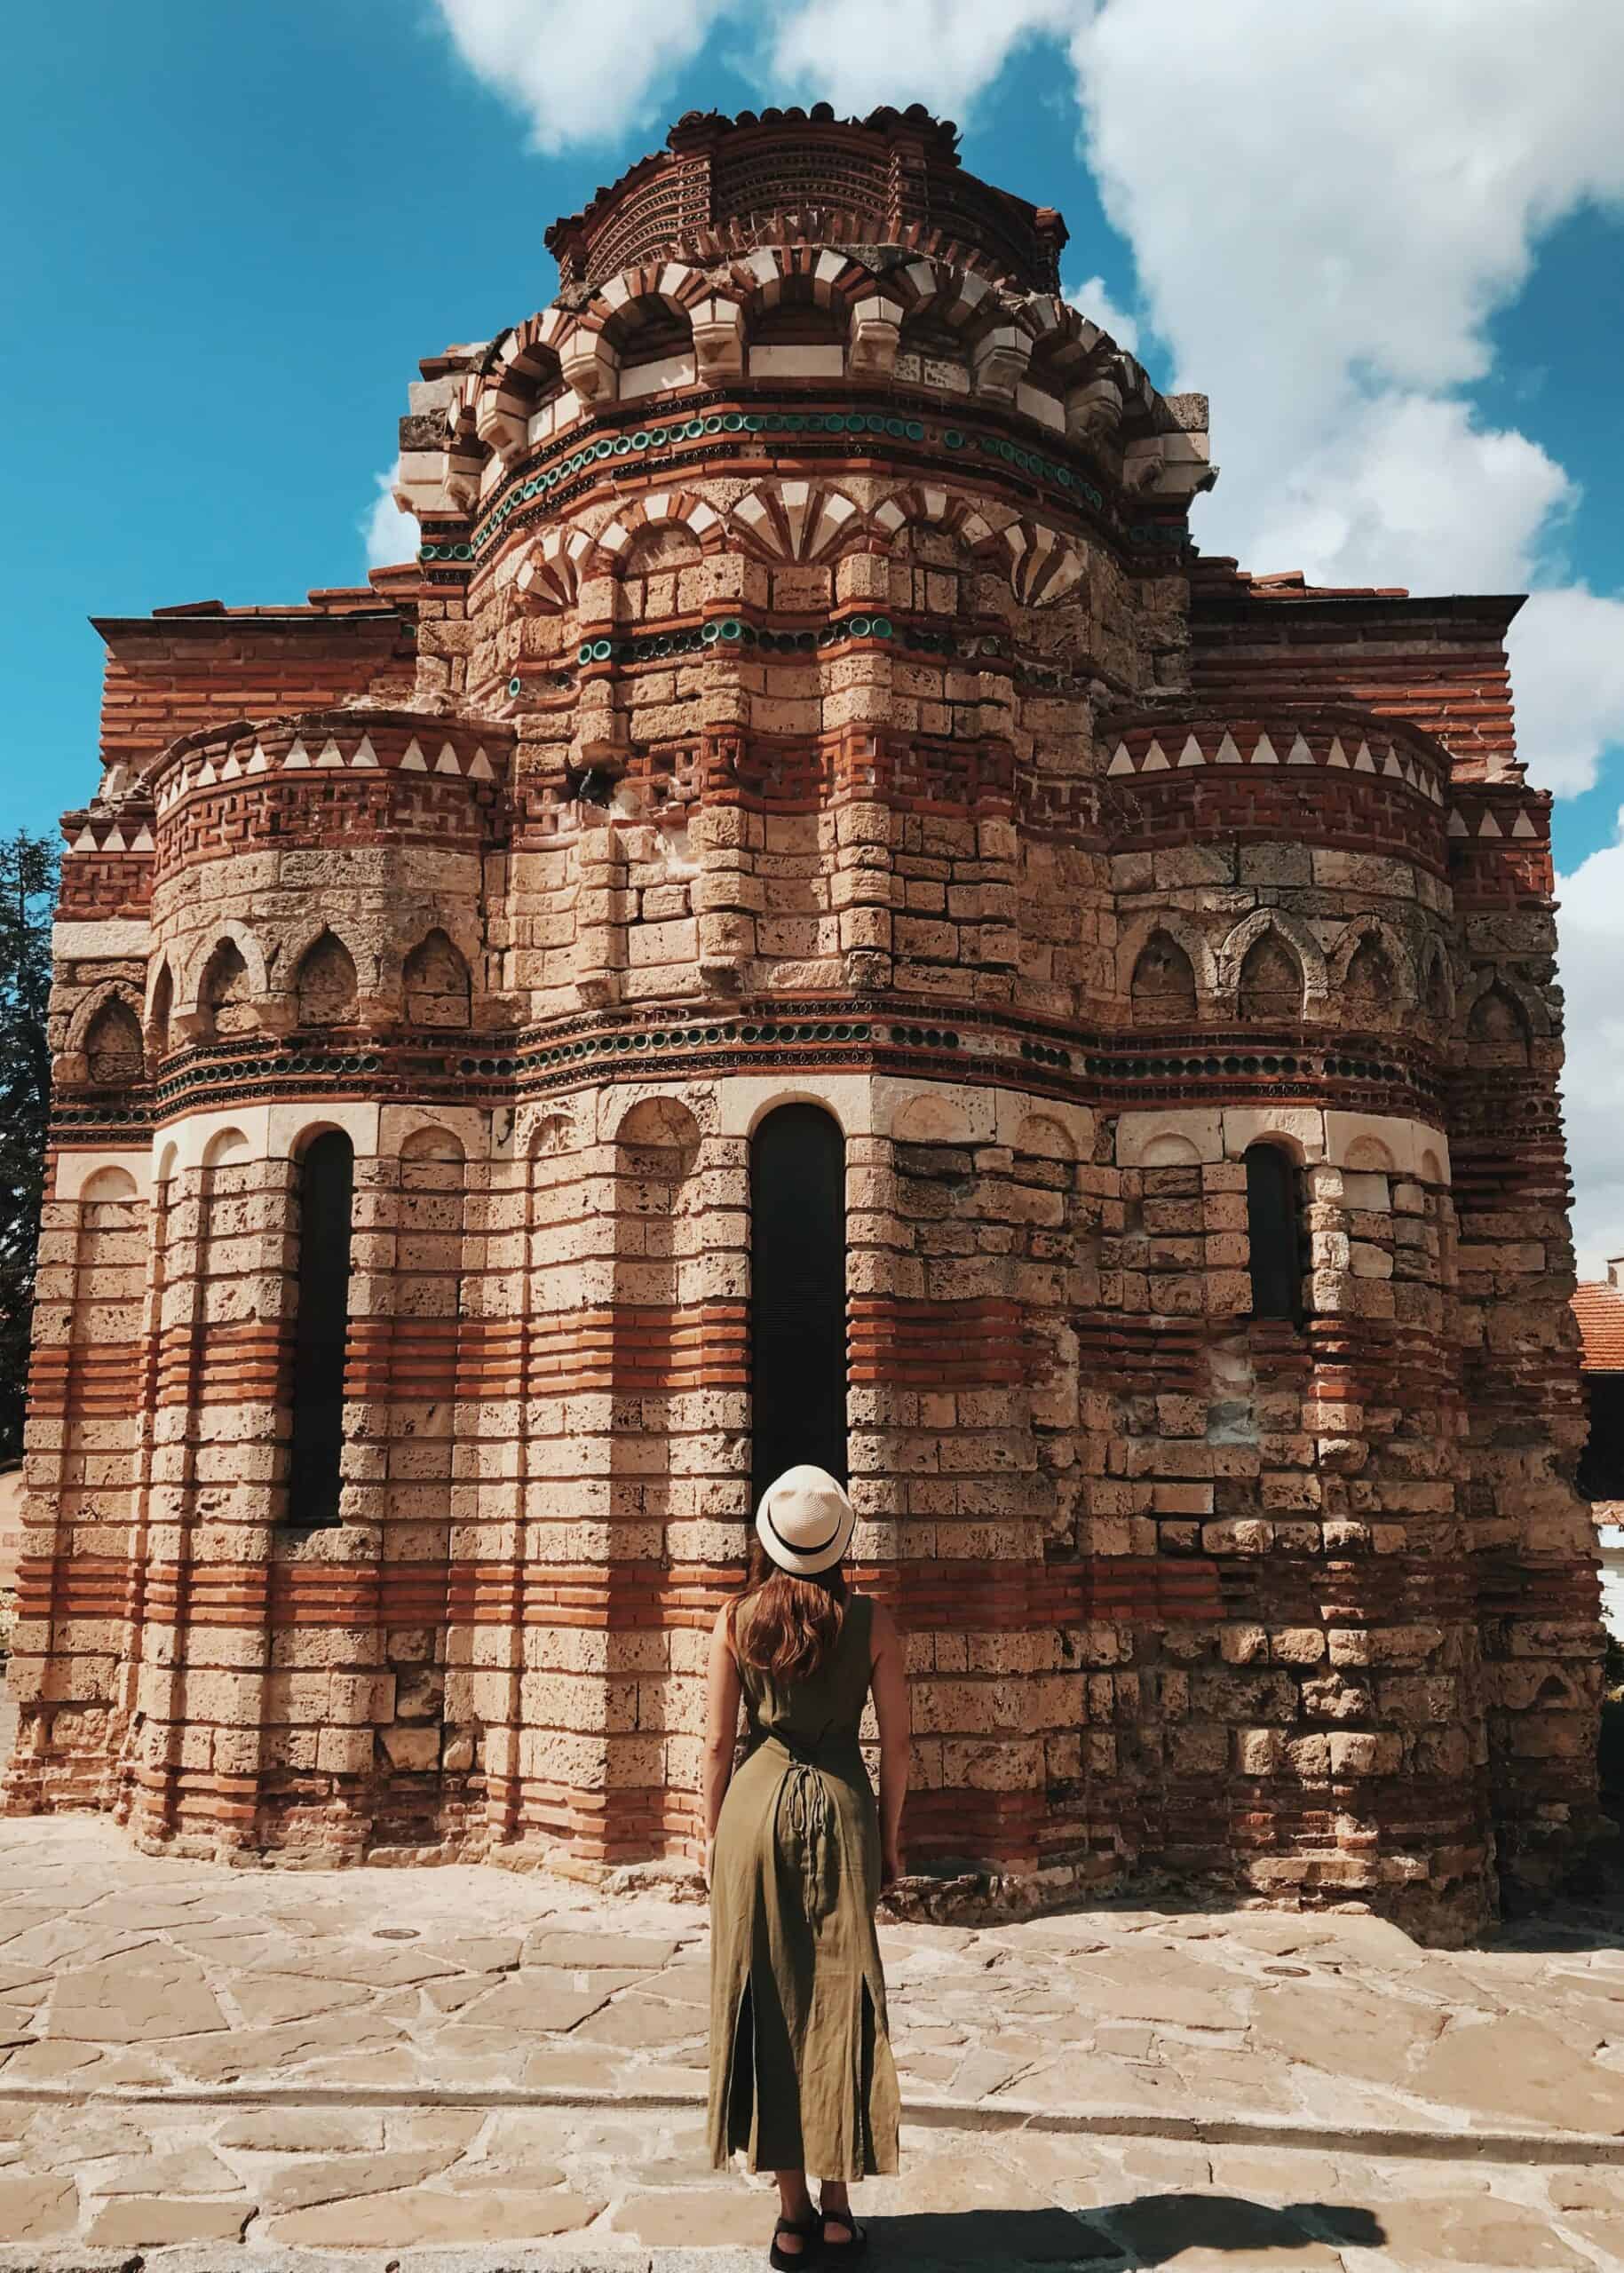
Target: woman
[[795, 1855]]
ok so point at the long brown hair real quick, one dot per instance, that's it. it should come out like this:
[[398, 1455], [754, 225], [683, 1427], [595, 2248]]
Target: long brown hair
[[785, 1626]]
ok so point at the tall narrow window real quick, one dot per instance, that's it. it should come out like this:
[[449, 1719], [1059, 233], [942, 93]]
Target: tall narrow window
[[798, 1295], [326, 1181], [1274, 1232]]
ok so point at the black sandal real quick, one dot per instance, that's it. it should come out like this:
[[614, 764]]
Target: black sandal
[[844, 2253], [809, 2230]]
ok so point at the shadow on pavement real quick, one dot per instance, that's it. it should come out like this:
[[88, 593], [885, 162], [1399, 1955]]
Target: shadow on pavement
[[1152, 2229]]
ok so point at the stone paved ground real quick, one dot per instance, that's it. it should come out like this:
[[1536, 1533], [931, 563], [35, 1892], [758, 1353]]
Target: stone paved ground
[[206, 2067]]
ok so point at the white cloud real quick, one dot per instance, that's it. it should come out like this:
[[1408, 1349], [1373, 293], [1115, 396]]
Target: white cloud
[[1567, 672], [856, 53], [1356, 191], [1407, 488], [1098, 305], [1591, 927], [390, 535], [581, 70], [585, 73]]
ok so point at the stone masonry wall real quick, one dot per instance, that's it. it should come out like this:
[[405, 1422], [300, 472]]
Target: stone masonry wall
[[807, 694]]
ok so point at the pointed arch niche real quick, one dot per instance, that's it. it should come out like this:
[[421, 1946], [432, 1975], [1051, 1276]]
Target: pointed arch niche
[[1163, 985]]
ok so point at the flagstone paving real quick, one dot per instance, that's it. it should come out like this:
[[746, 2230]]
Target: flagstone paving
[[377, 2066]]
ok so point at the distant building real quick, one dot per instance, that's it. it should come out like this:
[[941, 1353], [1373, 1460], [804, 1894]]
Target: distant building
[[809, 922], [1598, 1305]]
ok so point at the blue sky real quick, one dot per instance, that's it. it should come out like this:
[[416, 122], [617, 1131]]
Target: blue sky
[[1389, 239]]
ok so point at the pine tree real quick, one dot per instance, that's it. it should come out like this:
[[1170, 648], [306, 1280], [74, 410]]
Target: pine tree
[[28, 895]]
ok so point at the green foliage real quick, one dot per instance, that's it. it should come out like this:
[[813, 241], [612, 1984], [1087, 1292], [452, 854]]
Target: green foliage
[[28, 895]]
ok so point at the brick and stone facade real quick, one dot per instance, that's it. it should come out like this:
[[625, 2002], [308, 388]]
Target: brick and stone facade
[[807, 694]]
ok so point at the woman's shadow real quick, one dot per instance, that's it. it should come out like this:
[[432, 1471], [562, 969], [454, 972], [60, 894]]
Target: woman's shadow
[[1151, 2229]]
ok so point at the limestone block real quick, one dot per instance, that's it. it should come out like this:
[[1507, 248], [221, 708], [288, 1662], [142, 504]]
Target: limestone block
[[1303, 1126], [1145, 1138]]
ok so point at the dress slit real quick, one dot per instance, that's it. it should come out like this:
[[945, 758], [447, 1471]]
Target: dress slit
[[742, 2108]]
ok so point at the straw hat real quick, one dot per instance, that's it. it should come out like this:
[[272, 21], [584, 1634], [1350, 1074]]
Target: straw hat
[[805, 1520]]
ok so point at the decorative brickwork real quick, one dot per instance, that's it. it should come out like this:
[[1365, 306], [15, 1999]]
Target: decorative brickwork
[[806, 693]]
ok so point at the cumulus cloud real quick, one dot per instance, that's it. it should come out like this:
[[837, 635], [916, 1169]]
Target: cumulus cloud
[[1098, 305], [1591, 930], [580, 73], [1356, 192], [390, 535], [1567, 668], [856, 53]]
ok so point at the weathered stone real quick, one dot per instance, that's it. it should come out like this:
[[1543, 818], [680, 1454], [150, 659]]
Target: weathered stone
[[332, 2178], [404, 2219], [147, 2220], [1477, 2231], [37, 2208], [151, 1993], [1515, 2066]]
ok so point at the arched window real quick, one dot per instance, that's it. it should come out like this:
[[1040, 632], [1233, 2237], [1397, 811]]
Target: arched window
[[326, 1188], [1274, 1232], [798, 1295]]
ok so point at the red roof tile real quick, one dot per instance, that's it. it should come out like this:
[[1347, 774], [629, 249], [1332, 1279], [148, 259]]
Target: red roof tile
[[1599, 1309]]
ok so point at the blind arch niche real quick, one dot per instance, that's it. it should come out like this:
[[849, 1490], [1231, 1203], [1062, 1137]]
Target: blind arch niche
[[798, 1295]]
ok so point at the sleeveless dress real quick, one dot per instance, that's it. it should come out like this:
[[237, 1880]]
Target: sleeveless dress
[[801, 2070]]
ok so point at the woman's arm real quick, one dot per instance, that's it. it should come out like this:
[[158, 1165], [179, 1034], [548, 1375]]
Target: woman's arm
[[889, 1675], [722, 1695]]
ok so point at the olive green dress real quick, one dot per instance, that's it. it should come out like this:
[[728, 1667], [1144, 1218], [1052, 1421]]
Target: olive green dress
[[801, 2072]]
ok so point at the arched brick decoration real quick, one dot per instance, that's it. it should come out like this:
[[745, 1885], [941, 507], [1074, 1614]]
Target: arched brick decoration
[[665, 507], [923, 503], [799, 521], [1043, 567], [546, 582]]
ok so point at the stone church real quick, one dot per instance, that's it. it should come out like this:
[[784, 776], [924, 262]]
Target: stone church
[[811, 923]]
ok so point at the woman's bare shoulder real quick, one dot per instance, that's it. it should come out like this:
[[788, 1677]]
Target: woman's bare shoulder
[[881, 1626]]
